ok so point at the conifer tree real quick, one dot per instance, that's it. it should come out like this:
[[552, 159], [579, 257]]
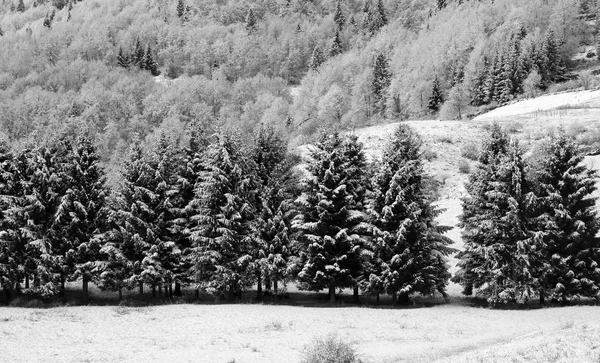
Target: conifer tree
[[336, 45], [187, 175], [1, 32], [80, 217], [330, 220], [316, 59], [21, 6], [567, 222], [436, 99], [180, 9], [251, 24], [222, 230], [549, 62], [408, 247], [339, 18], [274, 205], [138, 55], [376, 17], [122, 59], [11, 251], [381, 81], [478, 91], [148, 62], [47, 22], [498, 241], [441, 4]]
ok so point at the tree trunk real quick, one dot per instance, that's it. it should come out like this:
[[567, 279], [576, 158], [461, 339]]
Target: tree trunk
[[331, 293], [394, 298], [197, 293], [259, 291], [160, 291], [268, 283], [120, 293], [85, 289], [26, 281], [141, 288], [403, 299], [356, 294], [170, 291], [275, 287], [153, 291], [177, 289], [377, 298], [6, 295], [62, 286], [542, 297]]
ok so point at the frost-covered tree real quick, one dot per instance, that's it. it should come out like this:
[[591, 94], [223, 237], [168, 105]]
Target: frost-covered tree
[[436, 99], [316, 59], [567, 222], [274, 204], [338, 17], [381, 81], [498, 241], [336, 44], [251, 24], [222, 222], [180, 8], [20, 6], [123, 59], [330, 219], [82, 212], [148, 62], [408, 247], [11, 251]]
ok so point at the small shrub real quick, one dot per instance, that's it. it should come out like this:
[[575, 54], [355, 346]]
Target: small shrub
[[470, 151], [446, 139], [329, 349], [429, 154], [590, 54], [443, 177], [274, 325], [464, 166]]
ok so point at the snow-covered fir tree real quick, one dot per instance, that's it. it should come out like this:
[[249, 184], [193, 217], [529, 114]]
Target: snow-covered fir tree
[[221, 233], [498, 241], [567, 222], [330, 220], [408, 249]]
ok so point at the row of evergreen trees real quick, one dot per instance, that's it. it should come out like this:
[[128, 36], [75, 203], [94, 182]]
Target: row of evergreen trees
[[530, 229], [222, 216], [140, 58]]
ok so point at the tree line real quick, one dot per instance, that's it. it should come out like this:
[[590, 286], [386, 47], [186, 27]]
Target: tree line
[[222, 215]]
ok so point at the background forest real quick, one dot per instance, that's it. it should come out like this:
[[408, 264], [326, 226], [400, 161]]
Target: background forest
[[68, 66]]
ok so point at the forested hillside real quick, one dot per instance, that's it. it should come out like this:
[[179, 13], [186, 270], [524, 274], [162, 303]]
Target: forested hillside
[[67, 66]]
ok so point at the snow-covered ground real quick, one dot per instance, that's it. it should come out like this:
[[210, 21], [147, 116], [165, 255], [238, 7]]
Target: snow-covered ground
[[260, 333], [543, 103]]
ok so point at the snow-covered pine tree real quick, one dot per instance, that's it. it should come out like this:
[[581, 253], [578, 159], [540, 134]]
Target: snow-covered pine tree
[[137, 56], [316, 59], [277, 188], [436, 99], [148, 62], [376, 17], [180, 9], [549, 61], [82, 212], [381, 81], [136, 198], [329, 227], [336, 45], [477, 91], [567, 221], [251, 25], [187, 176], [21, 6], [222, 224], [498, 242], [11, 251], [408, 248], [338, 17], [122, 59]]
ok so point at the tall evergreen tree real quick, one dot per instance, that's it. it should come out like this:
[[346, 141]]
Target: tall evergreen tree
[[222, 230], [251, 24], [148, 62], [498, 241], [11, 251], [336, 45], [274, 204], [408, 248], [21, 6], [376, 17], [316, 59], [441, 4], [79, 219], [338, 17], [436, 99], [122, 59], [330, 221], [137, 57], [567, 222], [381, 81], [180, 9], [477, 91]]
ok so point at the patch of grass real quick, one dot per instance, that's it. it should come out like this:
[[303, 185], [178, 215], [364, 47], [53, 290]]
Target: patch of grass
[[470, 151], [429, 154], [446, 139], [329, 349], [274, 325], [464, 166]]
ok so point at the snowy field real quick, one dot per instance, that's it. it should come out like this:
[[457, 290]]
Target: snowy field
[[260, 333], [578, 99]]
